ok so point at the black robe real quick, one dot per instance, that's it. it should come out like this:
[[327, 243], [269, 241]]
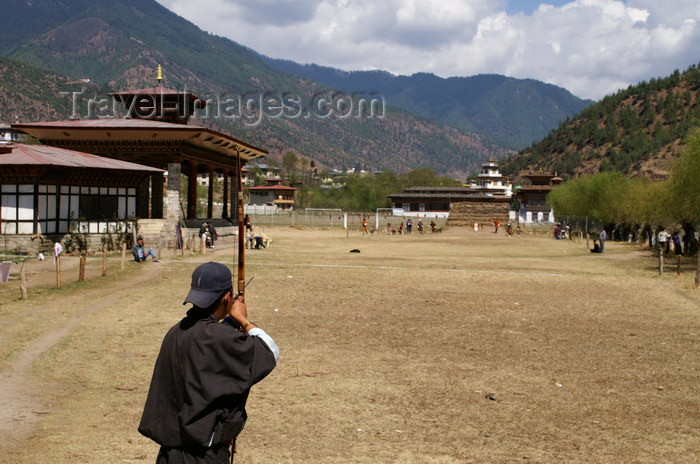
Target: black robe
[[201, 380]]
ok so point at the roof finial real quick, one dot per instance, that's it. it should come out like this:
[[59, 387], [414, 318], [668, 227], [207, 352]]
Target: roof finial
[[159, 74]]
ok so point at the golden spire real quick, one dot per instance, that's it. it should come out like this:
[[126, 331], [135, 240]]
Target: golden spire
[[159, 74]]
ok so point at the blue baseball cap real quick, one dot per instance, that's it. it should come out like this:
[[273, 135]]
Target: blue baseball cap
[[209, 281]]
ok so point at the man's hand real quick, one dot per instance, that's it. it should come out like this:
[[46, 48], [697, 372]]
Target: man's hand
[[239, 311]]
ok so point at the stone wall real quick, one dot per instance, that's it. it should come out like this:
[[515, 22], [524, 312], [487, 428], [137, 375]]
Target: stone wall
[[466, 213]]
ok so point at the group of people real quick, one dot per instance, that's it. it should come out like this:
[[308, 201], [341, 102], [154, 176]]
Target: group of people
[[407, 229], [665, 240], [207, 231], [563, 231]]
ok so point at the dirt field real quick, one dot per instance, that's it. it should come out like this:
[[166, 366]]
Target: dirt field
[[441, 348]]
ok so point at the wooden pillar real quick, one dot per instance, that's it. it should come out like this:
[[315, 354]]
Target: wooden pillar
[[157, 182], [234, 196], [224, 213], [192, 191], [173, 207], [210, 194], [142, 199]]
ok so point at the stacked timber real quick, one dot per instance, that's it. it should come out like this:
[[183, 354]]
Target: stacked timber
[[466, 213]]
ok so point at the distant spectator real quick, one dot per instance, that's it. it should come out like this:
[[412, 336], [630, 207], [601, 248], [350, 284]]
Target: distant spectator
[[596, 247], [212, 235], [602, 236], [140, 254], [677, 245], [663, 240]]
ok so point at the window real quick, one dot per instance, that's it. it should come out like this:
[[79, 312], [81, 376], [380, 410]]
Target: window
[[53, 207]]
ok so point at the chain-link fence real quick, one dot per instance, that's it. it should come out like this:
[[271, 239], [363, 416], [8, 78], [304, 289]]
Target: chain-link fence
[[335, 218]]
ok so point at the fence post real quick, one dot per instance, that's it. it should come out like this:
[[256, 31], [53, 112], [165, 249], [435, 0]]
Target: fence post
[[123, 255], [22, 281], [81, 272], [104, 261], [58, 271]]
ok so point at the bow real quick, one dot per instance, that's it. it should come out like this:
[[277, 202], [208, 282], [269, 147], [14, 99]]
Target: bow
[[241, 231]]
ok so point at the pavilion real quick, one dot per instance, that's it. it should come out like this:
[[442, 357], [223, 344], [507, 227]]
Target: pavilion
[[156, 134]]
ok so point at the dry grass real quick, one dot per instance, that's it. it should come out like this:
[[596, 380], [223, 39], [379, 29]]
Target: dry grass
[[442, 348]]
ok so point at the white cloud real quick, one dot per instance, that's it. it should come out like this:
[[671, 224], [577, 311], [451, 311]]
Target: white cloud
[[591, 47]]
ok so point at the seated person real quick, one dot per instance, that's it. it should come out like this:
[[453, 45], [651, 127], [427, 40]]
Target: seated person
[[253, 239], [139, 254], [596, 247]]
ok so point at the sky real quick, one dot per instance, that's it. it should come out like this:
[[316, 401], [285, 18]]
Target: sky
[[592, 48]]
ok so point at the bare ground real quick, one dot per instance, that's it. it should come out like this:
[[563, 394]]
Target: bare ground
[[441, 348]]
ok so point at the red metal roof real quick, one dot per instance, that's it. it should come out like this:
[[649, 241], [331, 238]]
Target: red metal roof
[[272, 187], [19, 154], [127, 129]]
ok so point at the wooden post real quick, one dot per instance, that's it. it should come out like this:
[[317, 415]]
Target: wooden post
[[81, 273], [58, 271], [160, 248], [697, 273], [678, 266], [661, 259], [588, 237], [104, 261], [203, 245], [22, 281], [123, 255]]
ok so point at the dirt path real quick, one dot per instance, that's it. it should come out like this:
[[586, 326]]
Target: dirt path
[[21, 405]]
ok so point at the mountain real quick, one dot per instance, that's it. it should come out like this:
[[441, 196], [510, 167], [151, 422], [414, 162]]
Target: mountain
[[118, 45], [28, 93], [515, 112], [637, 131]]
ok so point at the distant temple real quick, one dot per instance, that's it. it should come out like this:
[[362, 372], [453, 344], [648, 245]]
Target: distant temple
[[486, 197], [533, 198]]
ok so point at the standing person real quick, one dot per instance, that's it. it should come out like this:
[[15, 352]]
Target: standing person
[[409, 225], [207, 364], [204, 233], [212, 234], [420, 227], [602, 236], [140, 254], [247, 224], [495, 226], [678, 250], [364, 225], [663, 238], [509, 229], [517, 229]]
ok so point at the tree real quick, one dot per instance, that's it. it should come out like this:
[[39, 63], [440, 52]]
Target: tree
[[289, 166], [684, 190]]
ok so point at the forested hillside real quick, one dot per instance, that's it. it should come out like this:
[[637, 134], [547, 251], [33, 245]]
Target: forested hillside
[[637, 132], [516, 112], [30, 94], [118, 45]]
